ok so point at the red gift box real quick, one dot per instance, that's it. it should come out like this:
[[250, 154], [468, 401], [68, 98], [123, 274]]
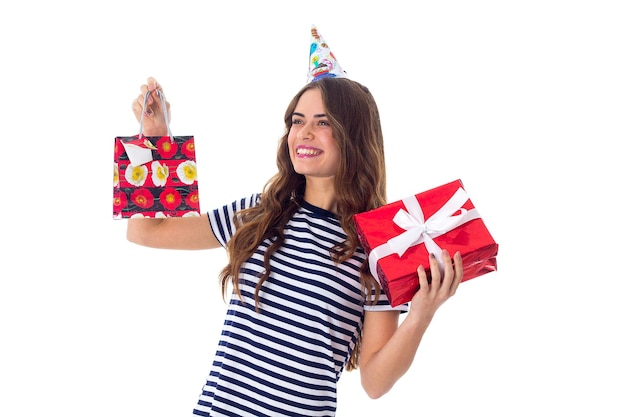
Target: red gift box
[[398, 237]]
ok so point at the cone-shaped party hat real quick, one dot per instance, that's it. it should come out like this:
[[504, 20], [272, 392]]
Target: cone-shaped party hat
[[322, 62]]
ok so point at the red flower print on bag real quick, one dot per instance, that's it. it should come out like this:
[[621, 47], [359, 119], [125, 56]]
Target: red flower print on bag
[[119, 201], [170, 198], [193, 200], [142, 198], [189, 149], [166, 147]]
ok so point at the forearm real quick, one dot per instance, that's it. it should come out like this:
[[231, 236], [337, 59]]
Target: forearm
[[140, 231], [185, 233], [393, 360]]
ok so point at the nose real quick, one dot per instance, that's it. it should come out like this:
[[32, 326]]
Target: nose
[[305, 132]]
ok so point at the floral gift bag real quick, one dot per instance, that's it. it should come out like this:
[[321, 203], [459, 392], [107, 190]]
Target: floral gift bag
[[155, 176]]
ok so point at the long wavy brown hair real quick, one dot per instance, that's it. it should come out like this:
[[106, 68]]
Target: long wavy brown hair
[[360, 185]]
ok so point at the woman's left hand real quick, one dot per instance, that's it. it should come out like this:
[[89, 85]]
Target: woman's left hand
[[443, 285]]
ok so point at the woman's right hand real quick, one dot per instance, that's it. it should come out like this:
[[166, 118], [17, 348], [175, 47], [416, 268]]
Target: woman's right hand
[[154, 119]]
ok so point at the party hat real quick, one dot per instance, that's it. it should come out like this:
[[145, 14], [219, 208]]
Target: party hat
[[322, 62]]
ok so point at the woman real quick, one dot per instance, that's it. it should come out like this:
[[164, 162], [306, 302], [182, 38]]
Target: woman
[[304, 306]]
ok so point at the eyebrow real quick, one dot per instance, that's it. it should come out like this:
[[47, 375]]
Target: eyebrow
[[314, 116]]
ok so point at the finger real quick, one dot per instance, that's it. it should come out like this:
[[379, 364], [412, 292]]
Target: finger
[[144, 90], [152, 97], [154, 87], [458, 271], [435, 274], [448, 269], [153, 84], [138, 107], [422, 277], [457, 274]]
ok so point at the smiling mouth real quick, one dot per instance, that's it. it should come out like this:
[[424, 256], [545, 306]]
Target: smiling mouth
[[307, 152]]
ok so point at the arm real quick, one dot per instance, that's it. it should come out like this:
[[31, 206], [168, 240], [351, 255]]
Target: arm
[[387, 349], [173, 233], [170, 233]]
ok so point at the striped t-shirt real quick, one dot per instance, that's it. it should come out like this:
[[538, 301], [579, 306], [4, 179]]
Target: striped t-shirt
[[286, 359]]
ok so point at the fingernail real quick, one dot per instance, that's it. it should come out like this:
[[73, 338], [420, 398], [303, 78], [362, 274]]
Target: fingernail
[[432, 256], [149, 111]]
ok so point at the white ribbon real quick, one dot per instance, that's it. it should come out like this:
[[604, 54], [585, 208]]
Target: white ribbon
[[418, 231]]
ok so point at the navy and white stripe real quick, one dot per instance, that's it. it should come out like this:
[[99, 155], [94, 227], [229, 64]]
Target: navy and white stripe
[[286, 359]]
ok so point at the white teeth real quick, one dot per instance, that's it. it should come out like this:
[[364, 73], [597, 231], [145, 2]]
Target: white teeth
[[303, 151]]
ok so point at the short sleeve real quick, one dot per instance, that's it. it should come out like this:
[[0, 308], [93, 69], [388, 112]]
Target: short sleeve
[[221, 219], [383, 304]]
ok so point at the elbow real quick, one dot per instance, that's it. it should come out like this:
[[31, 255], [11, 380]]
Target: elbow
[[375, 388], [131, 236], [374, 395], [376, 383], [134, 233]]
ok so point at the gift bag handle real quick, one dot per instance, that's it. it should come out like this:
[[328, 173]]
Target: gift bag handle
[[163, 105]]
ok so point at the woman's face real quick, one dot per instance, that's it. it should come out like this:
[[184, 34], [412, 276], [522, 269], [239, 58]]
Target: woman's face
[[312, 147]]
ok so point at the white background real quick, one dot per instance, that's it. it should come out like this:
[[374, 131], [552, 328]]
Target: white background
[[523, 101]]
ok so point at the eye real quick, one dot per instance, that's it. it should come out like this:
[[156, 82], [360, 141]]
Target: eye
[[323, 123], [296, 121]]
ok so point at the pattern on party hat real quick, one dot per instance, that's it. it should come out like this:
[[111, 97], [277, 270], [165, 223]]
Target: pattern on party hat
[[322, 62]]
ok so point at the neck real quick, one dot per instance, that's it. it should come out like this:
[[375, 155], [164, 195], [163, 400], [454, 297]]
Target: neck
[[321, 193]]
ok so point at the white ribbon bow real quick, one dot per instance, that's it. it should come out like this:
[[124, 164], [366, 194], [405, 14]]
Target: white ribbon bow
[[418, 230]]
